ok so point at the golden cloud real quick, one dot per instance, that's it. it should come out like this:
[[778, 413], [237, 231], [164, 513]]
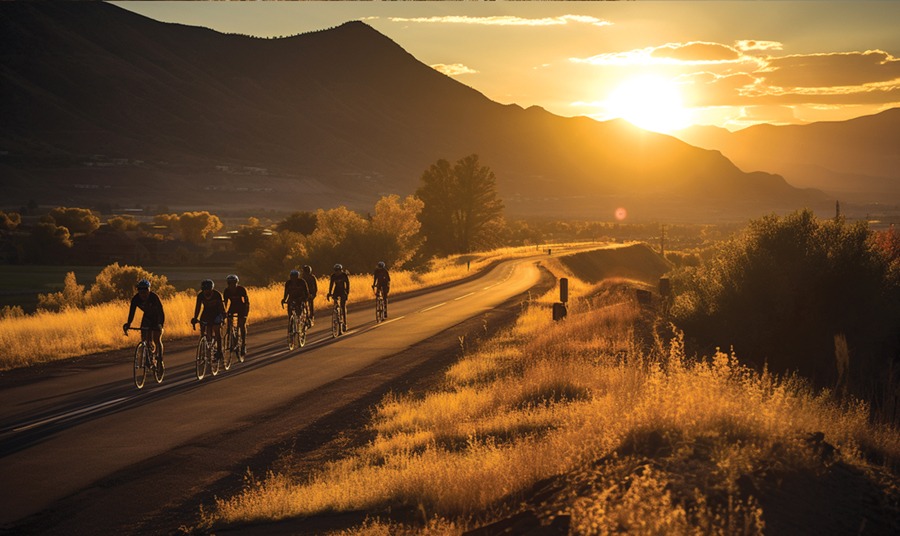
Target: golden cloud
[[832, 70], [454, 69], [696, 51]]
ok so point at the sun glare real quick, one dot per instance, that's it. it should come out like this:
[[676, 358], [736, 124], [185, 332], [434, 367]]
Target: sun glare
[[650, 102]]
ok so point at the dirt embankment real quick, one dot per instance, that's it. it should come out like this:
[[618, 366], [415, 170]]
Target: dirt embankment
[[637, 262]]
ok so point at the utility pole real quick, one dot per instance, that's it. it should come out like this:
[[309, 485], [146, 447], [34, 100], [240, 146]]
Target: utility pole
[[662, 240]]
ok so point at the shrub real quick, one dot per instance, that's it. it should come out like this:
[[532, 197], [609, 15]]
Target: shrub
[[786, 287], [117, 283], [72, 295]]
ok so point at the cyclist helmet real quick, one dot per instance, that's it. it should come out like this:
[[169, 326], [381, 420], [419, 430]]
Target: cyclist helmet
[[231, 278], [207, 284], [143, 284], [295, 273], [338, 268], [307, 269], [381, 264]]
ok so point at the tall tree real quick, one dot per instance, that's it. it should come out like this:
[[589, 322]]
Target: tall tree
[[460, 203], [76, 220]]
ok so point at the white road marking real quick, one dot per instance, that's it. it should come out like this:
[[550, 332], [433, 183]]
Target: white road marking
[[73, 413], [433, 307], [461, 297]]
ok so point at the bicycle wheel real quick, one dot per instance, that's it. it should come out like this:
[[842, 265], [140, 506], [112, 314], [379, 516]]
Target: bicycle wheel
[[213, 359], [159, 371], [336, 321], [379, 309], [201, 357], [140, 371], [302, 326], [230, 348], [292, 331]]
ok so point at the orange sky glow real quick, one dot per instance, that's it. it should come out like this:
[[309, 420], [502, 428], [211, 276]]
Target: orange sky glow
[[661, 65]]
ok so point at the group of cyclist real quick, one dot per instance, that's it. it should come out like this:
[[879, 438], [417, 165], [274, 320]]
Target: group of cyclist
[[212, 308]]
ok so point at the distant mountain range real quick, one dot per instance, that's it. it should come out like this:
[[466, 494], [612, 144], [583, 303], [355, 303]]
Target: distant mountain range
[[101, 105], [856, 160]]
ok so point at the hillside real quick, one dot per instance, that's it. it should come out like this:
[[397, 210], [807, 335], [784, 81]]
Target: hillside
[[856, 160], [102, 105], [637, 262]]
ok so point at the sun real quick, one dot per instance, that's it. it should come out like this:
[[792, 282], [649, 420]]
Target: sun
[[650, 102]]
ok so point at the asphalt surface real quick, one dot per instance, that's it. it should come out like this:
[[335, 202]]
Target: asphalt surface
[[83, 451]]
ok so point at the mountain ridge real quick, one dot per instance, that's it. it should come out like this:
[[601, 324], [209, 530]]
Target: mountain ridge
[[857, 159], [336, 116]]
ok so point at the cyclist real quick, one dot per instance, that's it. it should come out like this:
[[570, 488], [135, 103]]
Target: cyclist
[[382, 282], [313, 287], [213, 313], [237, 302], [295, 294], [339, 287], [153, 319]]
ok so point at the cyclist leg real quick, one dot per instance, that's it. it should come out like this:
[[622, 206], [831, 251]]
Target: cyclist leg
[[217, 333], [343, 299], [242, 327], [157, 340], [384, 292]]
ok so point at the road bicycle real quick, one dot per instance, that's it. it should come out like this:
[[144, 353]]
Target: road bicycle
[[206, 354], [380, 305], [145, 359], [233, 342], [338, 322], [298, 325]]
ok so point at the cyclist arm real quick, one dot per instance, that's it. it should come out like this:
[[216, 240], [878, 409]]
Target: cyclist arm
[[131, 310], [162, 312], [197, 308], [246, 297]]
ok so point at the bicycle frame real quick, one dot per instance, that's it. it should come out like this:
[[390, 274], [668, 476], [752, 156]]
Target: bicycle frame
[[146, 358], [206, 350]]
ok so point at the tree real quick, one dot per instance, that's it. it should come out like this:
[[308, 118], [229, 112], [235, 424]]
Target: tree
[[116, 282], [195, 227], [76, 220], [48, 243], [299, 222], [279, 254], [123, 223], [786, 288], [396, 224], [460, 202], [71, 296], [341, 236], [9, 222]]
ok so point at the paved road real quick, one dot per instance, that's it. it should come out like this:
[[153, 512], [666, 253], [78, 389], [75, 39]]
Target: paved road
[[84, 422]]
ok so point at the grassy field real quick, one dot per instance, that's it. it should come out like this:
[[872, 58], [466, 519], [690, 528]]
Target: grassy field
[[600, 424], [46, 336]]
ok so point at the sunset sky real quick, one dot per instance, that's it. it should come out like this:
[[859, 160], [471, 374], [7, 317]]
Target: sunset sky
[[662, 65]]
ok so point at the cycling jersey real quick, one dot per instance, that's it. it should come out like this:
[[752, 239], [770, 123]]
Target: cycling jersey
[[237, 299], [213, 307], [311, 284], [151, 307], [339, 285], [295, 290], [381, 278]]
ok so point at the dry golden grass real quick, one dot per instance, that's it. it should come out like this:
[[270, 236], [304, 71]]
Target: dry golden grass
[[652, 441], [42, 337]]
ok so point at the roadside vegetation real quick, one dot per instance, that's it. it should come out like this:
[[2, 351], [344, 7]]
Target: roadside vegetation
[[598, 424], [74, 324]]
